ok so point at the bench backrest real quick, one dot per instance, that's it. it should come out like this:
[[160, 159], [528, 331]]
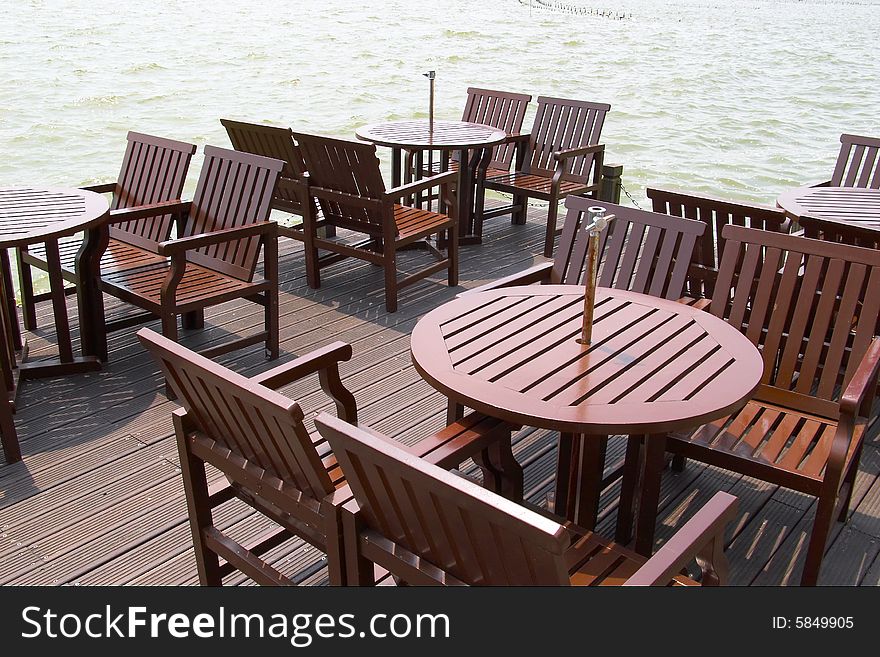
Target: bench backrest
[[715, 213], [235, 189], [275, 142], [640, 251], [153, 170]]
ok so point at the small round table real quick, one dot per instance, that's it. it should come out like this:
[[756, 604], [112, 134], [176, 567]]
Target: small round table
[[848, 214], [654, 366], [32, 215], [446, 136]]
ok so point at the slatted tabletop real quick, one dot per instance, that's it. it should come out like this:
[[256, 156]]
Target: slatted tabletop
[[416, 135], [30, 215], [654, 365], [847, 207]]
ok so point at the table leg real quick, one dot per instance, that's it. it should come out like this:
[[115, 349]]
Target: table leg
[[579, 466], [59, 302], [629, 484], [649, 497], [93, 332], [9, 289], [8, 435]]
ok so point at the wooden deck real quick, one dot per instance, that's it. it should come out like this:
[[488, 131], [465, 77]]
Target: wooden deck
[[98, 498]]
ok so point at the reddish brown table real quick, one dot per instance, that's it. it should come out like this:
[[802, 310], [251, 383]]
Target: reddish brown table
[[446, 136], [655, 366], [852, 213]]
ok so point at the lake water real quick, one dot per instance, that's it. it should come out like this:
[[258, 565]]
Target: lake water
[[736, 98]]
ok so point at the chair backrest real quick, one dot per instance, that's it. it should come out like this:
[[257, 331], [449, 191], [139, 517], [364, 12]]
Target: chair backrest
[[499, 109], [252, 422], [805, 304], [562, 124], [465, 530], [234, 190], [153, 170], [345, 180], [715, 213], [640, 251], [858, 163], [275, 142]]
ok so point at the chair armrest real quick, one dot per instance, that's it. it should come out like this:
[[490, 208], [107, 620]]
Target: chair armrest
[[461, 440], [699, 304], [577, 152], [824, 183], [859, 394], [535, 274], [517, 138], [180, 244], [701, 538], [421, 185], [101, 188], [325, 362], [123, 215]]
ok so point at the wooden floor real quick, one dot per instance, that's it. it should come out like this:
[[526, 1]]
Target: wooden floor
[[99, 499]]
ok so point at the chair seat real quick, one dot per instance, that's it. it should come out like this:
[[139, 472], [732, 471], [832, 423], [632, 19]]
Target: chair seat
[[596, 561], [119, 255], [198, 287], [415, 223], [783, 446], [534, 183], [453, 166]]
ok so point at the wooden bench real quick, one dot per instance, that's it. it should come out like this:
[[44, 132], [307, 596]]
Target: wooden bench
[[427, 526]]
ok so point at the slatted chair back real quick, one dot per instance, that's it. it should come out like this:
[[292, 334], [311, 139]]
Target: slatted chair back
[[153, 170], [562, 124], [858, 163], [715, 213], [235, 189], [640, 251], [345, 179], [240, 421], [277, 143], [499, 109], [806, 305], [470, 533]]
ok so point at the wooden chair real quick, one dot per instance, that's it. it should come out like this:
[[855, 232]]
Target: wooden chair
[[427, 526], [500, 109], [808, 306], [345, 181], [278, 143], [561, 157], [257, 438], [715, 213], [858, 163], [153, 171], [215, 259]]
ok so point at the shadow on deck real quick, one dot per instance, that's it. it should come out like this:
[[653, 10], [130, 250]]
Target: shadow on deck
[[98, 498]]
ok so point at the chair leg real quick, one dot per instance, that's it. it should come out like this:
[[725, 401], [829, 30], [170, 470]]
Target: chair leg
[[679, 461], [313, 269], [550, 237], [818, 539], [26, 286], [520, 209], [8, 435], [390, 266], [454, 412], [452, 255], [271, 317], [199, 503], [169, 330], [193, 320]]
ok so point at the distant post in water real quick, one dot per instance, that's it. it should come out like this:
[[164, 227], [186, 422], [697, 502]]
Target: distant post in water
[[430, 75], [595, 224]]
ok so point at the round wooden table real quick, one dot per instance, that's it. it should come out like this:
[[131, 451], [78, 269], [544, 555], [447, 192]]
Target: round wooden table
[[29, 216], [848, 214], [654, 366], [460, 136]]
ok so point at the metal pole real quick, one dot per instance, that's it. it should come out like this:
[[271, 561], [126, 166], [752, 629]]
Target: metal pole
[[431, 75], [595, 224]]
